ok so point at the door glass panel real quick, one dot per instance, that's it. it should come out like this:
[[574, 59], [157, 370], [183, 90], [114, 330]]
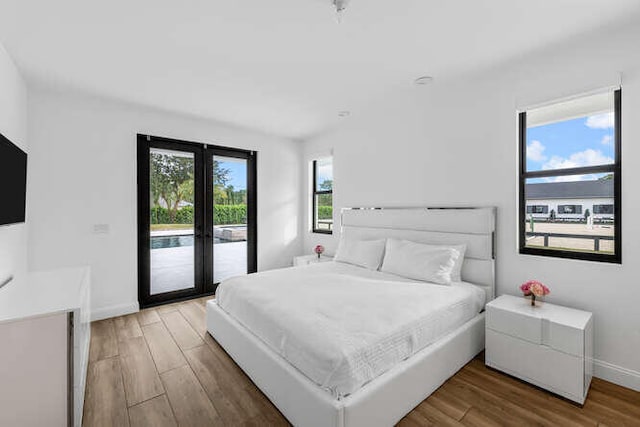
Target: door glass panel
[[171, 192], [229, 217]]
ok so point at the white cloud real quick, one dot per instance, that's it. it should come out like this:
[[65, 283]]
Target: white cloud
[[325, 169], [600, 121], [535, 151], [588, 157], [607, 140]]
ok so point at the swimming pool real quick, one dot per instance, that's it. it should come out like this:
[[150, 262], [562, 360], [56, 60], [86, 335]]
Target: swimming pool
[[164, 242]]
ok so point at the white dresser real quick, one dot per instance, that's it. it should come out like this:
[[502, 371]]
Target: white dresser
[[550, 346], [44, 348]]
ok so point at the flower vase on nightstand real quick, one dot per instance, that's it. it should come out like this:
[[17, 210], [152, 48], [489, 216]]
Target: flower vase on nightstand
[[535, 291], [536, 301]]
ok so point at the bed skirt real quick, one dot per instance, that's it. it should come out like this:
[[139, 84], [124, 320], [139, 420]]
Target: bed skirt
[[381, 402]]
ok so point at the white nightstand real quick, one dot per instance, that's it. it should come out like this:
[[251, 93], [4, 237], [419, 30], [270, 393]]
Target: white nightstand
[[550, 346], [310, 259]]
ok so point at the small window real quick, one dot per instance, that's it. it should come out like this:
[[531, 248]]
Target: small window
[[538, 209], [322, 196], [570, 209], [603, 209], [570, 178]]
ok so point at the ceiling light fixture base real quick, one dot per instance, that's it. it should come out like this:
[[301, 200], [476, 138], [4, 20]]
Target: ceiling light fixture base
[[340, 6], [423, 80]]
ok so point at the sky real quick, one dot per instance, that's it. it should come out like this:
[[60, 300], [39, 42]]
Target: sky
[[325, 170], [238, 171], [585, 141]]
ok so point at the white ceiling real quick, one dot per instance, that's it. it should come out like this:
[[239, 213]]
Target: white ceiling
[[281, 66]]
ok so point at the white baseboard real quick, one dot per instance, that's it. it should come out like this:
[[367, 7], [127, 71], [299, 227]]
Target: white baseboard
[[617, 374], [114, 310]]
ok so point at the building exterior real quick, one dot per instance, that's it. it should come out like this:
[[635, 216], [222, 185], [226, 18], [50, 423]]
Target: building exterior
[[569, 201]]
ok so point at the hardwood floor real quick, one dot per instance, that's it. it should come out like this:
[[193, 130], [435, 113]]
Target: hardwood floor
[[160, 367]]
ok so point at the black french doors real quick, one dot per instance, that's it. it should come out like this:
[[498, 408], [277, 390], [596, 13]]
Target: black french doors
[[196, 218]]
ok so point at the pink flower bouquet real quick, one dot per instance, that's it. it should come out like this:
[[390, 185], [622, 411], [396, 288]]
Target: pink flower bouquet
[[319, 249], [534, 289]]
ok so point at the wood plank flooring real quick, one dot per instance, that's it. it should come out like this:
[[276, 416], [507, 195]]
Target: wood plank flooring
[[160, 367]]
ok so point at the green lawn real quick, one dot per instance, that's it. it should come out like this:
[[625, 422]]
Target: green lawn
[[167, 227]]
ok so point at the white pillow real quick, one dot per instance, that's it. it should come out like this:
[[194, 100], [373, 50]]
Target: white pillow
[[365, 253], [429, 263], [456, 273]]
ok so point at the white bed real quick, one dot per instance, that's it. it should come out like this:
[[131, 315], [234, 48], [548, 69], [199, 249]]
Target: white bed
[[338, 345]]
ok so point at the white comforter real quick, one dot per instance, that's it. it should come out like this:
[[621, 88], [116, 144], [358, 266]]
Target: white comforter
[[342, 325]]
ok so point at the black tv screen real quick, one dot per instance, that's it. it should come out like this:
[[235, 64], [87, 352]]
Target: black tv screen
[[13, 182]]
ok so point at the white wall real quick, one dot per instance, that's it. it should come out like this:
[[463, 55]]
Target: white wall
[[455, 142], [13, 125], [83, 166]]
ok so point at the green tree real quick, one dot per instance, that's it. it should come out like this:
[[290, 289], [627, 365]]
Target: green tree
[[220, 196], [231, 194], [187, 189], [169, 175], [326, 185], [220, 174], [172, 182], [220, 180]]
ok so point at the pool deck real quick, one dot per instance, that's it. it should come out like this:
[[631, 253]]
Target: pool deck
[[172, 268], [166, 233]]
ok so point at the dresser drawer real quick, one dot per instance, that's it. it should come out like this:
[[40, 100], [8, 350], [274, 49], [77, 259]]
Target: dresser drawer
[[541, 365], [529, 324]]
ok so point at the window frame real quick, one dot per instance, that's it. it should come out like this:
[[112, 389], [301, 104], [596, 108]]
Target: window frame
[[615, 169], [314, 196]]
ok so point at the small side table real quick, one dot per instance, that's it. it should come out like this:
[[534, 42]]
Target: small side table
[[310, 259], [550, 346]]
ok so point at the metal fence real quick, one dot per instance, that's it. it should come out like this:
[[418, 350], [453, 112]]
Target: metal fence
[[596, 239]]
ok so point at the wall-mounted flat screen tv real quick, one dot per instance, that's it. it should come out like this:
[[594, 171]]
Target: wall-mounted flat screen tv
[[13, 182]]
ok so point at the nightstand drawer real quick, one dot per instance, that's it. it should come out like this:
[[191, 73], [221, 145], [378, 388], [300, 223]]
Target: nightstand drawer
[[515, 324], [538, 364], [545, 325], [563, 338]]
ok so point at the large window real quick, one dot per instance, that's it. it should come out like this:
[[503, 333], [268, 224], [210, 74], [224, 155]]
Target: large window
[[322, 196], [570, 161]]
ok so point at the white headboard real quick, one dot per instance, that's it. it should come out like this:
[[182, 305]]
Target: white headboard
[[473, 226]]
